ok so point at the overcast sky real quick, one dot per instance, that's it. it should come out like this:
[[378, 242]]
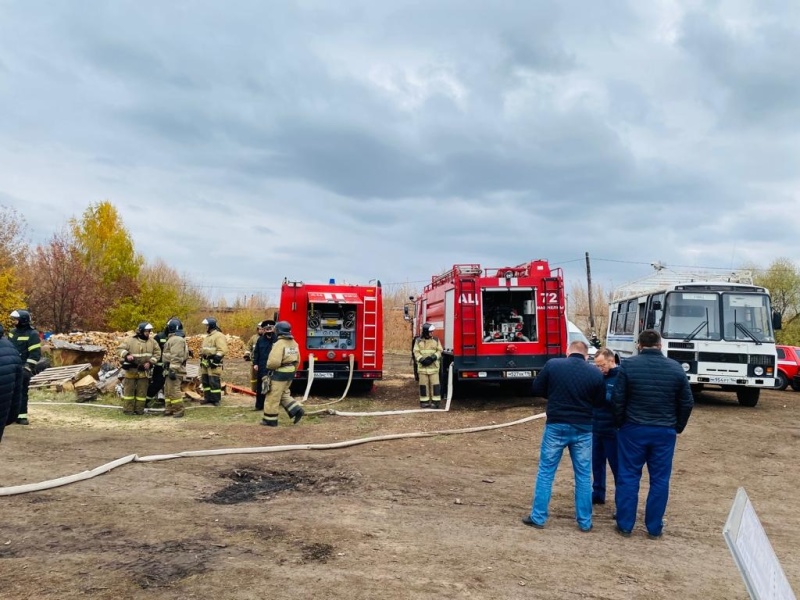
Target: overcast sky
[[244, 142]]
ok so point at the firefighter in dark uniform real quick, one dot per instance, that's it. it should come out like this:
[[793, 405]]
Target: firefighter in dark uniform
[[175, 354], [427, 354], [282, 362], [157, 377], [260, 355], [138, 354], [248, 355], [29, 345], [214, 348]]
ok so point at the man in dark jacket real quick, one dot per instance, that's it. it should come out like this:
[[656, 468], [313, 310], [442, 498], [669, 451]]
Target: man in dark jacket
[[10, 382], [604, 434], [572, 388], [652, 404], [261, 350]]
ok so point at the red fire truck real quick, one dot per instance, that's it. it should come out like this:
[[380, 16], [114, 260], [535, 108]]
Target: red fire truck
[[338, 325], [495, 324]]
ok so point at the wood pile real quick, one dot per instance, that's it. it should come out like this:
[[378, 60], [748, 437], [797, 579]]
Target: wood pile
[[109, 342], [236, 346], [86, 389]]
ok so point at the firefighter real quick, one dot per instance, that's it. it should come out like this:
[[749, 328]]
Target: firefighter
[[214, 348], [29, 345], [157, 377], [428, 353], [282, 362], [248, 355], [138, 354], [260, 354], [175, 354]]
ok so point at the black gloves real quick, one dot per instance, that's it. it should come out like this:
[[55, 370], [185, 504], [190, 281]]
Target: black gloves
[[215, 360], [427, 360], [247, 358], [172, 375]]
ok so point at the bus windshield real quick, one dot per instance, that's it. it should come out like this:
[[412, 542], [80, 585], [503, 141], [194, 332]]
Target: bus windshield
[[747, 317], [692, 315], [710, 315]]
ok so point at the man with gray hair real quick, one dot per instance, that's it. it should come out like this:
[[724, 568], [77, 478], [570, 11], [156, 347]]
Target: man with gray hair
[[573, 387]]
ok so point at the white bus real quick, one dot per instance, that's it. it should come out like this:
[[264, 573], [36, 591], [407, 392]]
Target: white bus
[[720, 329]]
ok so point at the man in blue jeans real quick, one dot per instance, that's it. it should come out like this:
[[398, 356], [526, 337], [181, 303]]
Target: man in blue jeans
[[572, 388], [652, 403]]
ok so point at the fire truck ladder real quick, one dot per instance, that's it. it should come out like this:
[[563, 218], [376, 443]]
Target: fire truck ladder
[[370, 338], [469, 321], [553, 326]]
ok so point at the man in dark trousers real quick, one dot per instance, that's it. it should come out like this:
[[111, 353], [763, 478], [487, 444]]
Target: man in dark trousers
[[604, 433], [652, 404], [10, 382], [261, 350], [573, 388]]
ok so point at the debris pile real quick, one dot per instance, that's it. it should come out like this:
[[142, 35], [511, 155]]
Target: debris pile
[[109, 342]]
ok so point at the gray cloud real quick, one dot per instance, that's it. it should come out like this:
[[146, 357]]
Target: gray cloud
[[394, 139]]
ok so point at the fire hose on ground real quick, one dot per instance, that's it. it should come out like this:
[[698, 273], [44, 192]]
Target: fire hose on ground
[[53, 483]]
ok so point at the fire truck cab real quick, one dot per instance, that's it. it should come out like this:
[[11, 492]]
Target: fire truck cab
[[495, 324], [339, 325]]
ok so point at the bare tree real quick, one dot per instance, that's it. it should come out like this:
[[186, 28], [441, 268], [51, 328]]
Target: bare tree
[[64, 294]]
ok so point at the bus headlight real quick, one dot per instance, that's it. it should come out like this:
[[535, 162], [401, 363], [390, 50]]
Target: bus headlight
[[759, 371], [686, 367]]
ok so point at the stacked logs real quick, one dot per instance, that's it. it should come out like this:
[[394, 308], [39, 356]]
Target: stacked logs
[[111, 341]]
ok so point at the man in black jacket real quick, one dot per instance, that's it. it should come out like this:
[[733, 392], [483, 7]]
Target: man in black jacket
[[652, 403], [10, 382], [261, 350], [573, 388]]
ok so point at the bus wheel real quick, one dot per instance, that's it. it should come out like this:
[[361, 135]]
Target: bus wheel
[[747, 396], [781, 383]]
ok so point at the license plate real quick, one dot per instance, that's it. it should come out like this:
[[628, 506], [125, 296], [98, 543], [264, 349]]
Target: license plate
[[720, 379], [518, 373], [323, 375]]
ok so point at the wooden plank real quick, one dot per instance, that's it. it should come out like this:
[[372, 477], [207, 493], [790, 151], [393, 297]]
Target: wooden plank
[[58, 375]]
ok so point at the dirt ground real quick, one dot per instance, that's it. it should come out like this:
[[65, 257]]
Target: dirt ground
[[434, 517]]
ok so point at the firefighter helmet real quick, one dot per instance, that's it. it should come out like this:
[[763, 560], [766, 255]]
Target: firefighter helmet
[[174, 324], [211, 323], [283, 328], [427, 328], [23, 317], [268, 324], [143, 329]]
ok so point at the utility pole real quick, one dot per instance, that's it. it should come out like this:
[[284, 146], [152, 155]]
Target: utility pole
[[589, 284]]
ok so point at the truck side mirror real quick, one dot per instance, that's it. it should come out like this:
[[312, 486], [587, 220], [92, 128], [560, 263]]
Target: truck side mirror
[[777, 320], [656, 305]]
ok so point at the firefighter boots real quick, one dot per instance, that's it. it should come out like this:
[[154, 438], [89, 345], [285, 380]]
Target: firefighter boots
[[168, 408], [138, 407], [424, 404], [177, 409], [435, 404], [297, 413], [270, 420], [127, 406]]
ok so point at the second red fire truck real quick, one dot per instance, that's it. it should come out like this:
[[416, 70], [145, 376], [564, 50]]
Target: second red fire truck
[[495, 324], [340, 326]]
